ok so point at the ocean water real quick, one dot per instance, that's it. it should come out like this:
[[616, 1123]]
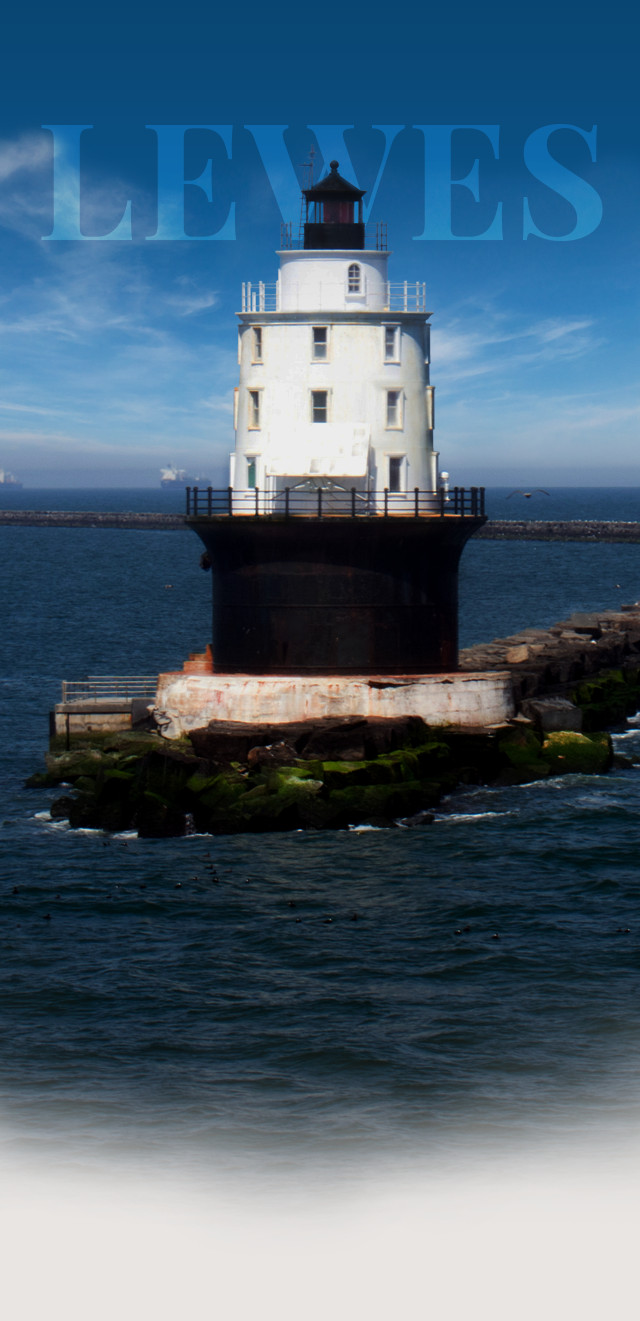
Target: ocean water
[[339, 999]]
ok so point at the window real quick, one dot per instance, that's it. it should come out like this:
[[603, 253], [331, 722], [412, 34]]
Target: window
[[396, 464], [254, 408], [251, 471], [318, 405], [353, 278], [394, 408], [257, 343], [391, 343], [320, 342]]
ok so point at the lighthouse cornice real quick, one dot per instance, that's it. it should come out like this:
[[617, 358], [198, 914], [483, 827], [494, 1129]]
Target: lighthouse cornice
[[352, 316]]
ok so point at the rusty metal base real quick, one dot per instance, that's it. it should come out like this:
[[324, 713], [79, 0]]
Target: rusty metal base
[[335, 595]]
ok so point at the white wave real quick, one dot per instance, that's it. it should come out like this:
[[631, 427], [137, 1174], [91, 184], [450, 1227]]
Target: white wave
[[469, 816], [360, 830]]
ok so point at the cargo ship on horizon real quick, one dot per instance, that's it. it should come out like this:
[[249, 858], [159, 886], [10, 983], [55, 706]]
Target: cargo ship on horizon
[[8, 479], [178, 477]]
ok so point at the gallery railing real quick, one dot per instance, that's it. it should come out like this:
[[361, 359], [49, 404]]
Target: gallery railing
[[334, 502], [109, 687]]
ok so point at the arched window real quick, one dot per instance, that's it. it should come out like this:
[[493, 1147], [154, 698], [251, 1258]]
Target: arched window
[[353, 278]]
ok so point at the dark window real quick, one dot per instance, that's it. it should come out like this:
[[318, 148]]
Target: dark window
[[391, 343], [319, 405], [254, 408], [257, 343], [251, 472], [353, 278], [395, 472], [394, 418], [319, 341]]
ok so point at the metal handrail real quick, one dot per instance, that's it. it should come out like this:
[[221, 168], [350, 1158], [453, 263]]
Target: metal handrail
[[397, 295], [107, 687], [330, 501], [375, 236]]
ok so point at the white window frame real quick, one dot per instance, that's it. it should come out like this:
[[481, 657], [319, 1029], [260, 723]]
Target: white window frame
[[319, 357], [315, 421], [393, 329], [398, 425], [254, 405], [252, 459], [402, 472], [360, 291], [257, 344]]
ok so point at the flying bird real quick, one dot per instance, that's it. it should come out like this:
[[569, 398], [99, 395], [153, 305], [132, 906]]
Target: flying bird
[[527, 494]]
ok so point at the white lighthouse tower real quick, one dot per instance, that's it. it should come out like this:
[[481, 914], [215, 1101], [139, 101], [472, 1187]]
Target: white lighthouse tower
[[334, 388], [334, 550]]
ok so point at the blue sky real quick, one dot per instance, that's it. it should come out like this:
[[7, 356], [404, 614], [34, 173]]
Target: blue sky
[[119, 355]]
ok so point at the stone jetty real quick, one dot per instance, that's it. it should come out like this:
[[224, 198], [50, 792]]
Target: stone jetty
[[493, 530], [571, 683]]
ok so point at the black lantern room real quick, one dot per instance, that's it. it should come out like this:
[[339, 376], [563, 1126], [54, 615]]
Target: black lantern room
[[330, 217]]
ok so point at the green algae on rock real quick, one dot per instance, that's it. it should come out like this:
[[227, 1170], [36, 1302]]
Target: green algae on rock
[[163, 788]]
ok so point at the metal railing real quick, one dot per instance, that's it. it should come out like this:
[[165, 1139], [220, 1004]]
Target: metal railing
[[406, 296], [334, 502], [375, 236], [105, 687], [260, 297], [398, 296]]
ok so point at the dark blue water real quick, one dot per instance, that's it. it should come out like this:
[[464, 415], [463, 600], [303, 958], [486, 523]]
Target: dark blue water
[[154, 1009]]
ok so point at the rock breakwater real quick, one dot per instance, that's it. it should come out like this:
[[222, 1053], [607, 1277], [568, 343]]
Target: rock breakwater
[[571, 682], [493, 530], [230, 779]]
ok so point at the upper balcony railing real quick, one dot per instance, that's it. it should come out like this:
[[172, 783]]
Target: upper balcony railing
[[375, 236], [331, 501], [399, 296]]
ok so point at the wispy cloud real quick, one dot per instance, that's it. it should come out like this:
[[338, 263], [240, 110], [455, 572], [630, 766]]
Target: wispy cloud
[[496, 343], [27, 154]]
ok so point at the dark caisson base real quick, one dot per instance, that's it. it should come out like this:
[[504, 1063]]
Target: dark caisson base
[[335, 596]]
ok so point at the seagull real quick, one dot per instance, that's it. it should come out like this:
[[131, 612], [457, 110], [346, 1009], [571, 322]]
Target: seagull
[[527, 494]]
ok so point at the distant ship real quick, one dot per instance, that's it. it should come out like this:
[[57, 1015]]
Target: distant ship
[[8, 479], [172, 476]]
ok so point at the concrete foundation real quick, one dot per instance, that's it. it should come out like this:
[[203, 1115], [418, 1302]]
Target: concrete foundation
[[189, 701], [100, 716]]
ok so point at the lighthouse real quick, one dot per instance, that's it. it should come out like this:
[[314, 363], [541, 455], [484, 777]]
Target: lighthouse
[[334, 365], [334, 549]]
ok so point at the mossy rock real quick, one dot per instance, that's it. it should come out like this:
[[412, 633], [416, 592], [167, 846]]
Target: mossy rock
[[200, 784], [71, 765], [583, 754], [43, 780], [139, 742], [432, 757], [83, 812], [357, 805], [86, 784], [609, 698], [157, 818], [115, 774], [61, 808], [167, 774], [344, 774], [224, 789], [521, 752]]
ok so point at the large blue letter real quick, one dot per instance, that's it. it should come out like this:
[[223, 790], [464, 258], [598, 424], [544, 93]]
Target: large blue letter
[[171, 181], [584, 199], [269, 139], [330, 139], [66, 187], [438, 181]]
